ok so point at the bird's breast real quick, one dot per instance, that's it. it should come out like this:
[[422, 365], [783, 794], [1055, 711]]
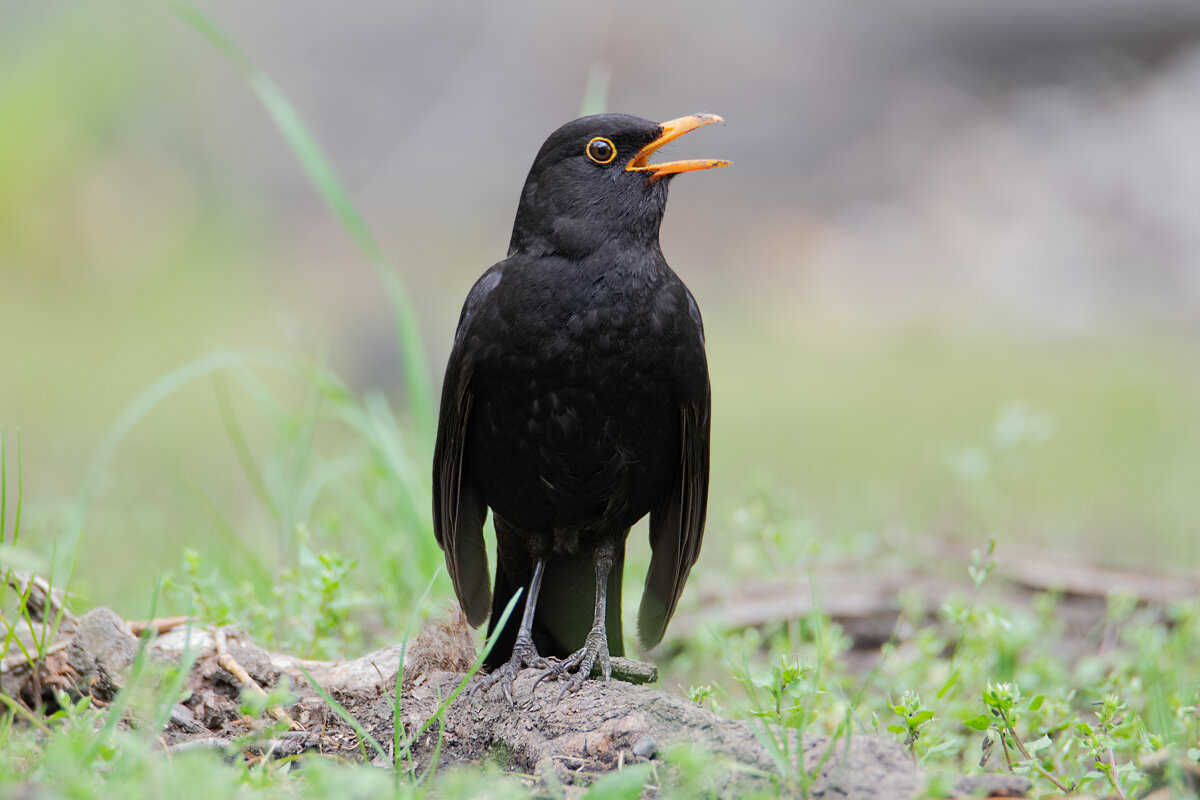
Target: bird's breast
[[575, 419]]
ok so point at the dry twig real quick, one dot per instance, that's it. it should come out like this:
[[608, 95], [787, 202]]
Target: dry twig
[[230, 665]]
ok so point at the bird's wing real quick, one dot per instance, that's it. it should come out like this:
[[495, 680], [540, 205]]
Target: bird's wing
[[677, 526], [458, 511]]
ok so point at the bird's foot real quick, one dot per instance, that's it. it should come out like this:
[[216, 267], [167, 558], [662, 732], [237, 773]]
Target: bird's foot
[[579, 664], [524, 654]]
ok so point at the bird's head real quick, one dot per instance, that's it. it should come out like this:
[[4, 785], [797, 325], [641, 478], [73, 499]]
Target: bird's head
[[592, 183]]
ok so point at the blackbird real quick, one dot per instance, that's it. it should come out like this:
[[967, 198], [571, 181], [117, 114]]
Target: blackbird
[[576, 401]]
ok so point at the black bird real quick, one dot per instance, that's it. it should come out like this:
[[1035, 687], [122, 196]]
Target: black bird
[[575, 402]]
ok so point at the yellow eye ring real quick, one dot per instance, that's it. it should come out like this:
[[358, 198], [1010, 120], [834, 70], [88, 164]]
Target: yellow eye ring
[[601, 150]]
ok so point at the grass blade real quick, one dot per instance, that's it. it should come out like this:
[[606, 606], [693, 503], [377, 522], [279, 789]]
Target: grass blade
[[397, 722], [150, 397], [116, 711], [3, 487], [595, 93], [16, 531], [320, 171], [241, 448], [363, 734], [173, 691], [487, 648]]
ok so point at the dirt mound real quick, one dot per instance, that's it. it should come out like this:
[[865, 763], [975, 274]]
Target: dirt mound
[[568, 742]]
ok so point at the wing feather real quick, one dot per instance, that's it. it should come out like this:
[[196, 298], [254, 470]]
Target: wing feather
[[458, 511], [677, 525]]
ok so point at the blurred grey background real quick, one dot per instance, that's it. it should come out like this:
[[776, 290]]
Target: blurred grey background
[[1025, 159]]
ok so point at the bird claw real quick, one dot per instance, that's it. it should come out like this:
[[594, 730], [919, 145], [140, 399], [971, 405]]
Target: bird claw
[[579, 664], [524, 655]]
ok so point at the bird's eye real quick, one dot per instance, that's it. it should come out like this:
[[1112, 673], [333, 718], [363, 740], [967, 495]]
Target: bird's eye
[[601, 150]]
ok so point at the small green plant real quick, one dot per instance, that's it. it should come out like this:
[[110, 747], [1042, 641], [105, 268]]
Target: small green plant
[[701, 695], [912, 717], [982, 564], [1072, 755], [1113, 727], [1005, 706], [19, 577], [782, 702]]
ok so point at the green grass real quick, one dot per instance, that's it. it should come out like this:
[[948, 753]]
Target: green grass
[[990, 687]]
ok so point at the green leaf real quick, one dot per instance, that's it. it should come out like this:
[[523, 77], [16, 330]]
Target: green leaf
[[980, 722], [1038, 744], [1036, 702]]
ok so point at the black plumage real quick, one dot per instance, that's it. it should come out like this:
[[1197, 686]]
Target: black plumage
[[576, 401]]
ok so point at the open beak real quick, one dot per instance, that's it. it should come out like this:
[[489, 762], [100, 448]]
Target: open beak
[[670, 132]]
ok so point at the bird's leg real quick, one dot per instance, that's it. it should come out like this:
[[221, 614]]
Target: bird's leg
[[524, 653], [596, 645]]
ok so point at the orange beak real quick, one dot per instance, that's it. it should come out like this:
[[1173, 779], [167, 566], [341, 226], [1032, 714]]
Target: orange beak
[[670, 132]]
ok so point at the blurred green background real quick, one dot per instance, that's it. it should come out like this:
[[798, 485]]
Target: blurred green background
[[951, 283]]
